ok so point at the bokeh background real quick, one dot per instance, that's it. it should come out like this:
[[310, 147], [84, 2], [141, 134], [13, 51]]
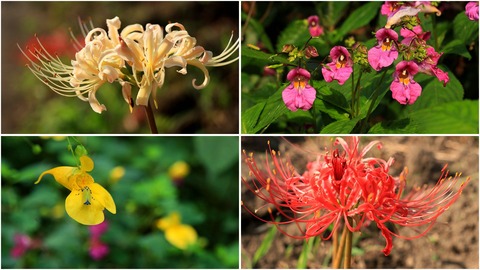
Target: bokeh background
[[37, 232], [28, 106], [451, 243]]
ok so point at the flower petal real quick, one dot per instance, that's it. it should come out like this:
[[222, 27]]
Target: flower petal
[[86, 214], [86, 163], [61, 174], [181, 236]]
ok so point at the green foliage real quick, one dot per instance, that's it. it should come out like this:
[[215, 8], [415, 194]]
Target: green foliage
[[145, 193], [363, 104]]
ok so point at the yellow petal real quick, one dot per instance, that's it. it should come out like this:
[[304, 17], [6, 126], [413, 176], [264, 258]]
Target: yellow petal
[[86, 163], [104, 198], [181, 236], [169, 221], [90, 213], [62, 175]]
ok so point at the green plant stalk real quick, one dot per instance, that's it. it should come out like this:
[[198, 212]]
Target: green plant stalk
[[357, 95], [348, 251], [375, 96], [151, 118], [314, 114], [352, 105], [337, 260], [434, 31], [306, 250]]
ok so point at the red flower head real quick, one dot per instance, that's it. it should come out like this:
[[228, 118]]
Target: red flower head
[[344, 186]]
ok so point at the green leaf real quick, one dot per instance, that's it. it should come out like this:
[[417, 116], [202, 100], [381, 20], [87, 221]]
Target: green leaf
[[457, 46], [434, 93], [306, 252], [459, 117], [267, 111], [359, 18], [296, 33], [332, 10], [340, 127], [464, 29], [268, 58], [216, 153], [265, 245]]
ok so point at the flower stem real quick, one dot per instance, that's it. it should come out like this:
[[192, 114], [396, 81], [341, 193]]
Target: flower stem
[[348, 250], [151, 118], [337, 260]]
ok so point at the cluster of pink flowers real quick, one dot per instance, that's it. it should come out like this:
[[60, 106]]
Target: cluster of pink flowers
[[471, 10], [98, 249], [345, 186]]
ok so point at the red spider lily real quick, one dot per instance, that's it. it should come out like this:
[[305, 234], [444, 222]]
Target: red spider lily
[[347, 186]]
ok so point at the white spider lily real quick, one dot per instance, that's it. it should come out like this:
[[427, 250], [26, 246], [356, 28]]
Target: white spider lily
[[107, 56]]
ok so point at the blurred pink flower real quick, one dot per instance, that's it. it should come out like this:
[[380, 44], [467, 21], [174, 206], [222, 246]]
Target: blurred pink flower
[[346, 186], [404, 88], [341, 66], [385, 52], [395, 11], [99, 229], [299, 94], [313, 26], [98, 250], [23, 243], [471, 10]]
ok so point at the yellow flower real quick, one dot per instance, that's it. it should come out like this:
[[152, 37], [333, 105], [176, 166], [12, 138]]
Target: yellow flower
[[177, 234], [179, 170], [87, 199]]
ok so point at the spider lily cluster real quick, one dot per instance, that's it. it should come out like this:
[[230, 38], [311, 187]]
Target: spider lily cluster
[[135, 56], [346, 187]]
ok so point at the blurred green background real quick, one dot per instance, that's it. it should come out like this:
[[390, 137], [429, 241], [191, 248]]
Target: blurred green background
[[28, 106], [206, 198]]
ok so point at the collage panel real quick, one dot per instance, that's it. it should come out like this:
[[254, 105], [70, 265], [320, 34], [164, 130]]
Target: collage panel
[[120, 202], [359, 202], [120, 67], [350, 67]]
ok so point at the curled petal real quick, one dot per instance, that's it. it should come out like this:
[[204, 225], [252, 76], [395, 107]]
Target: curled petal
[[206, 79], [61, 174], [92, 99], [177, 61]]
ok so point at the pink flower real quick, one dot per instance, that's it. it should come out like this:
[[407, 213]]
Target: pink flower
[[341, 66], [385, 52], [99, 229], [429, 66], [397, 10], [313, 26], [299, 94], [471, 10], [404, 88], [414, 37], [98, 250], [345, 186]]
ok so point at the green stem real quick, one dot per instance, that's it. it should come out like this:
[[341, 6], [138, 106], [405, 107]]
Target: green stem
[[434, 31], [357, 94], [314, 114], [341, 248], [151, 118], [375, 96], [352, 113], [348, 250]]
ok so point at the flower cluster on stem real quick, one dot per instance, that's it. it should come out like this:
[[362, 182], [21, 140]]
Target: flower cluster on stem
[[344, 186], [135, 56]]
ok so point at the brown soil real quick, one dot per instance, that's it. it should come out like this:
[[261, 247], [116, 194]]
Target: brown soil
[[451, 243]]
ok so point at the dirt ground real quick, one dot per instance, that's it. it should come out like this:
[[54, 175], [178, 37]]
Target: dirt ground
[[451, 243]]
